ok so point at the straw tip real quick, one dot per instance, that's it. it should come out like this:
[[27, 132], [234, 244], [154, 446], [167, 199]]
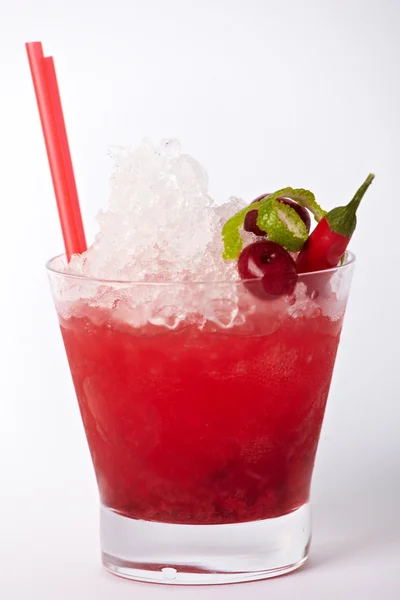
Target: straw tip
[[32, 44]]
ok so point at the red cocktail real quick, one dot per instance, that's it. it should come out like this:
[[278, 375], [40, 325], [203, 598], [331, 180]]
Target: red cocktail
[[206, 416], [203, 426], [202, 386]]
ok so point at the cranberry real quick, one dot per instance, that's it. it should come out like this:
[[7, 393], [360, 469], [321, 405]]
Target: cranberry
[[271, 263], [250, 220]]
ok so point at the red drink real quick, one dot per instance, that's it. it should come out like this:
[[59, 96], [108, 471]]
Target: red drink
[[202, 358], [203, 425]]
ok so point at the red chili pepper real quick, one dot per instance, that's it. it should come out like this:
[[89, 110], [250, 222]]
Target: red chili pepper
[[328, 242]]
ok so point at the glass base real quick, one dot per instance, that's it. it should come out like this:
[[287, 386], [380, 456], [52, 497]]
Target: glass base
[[204, 554]]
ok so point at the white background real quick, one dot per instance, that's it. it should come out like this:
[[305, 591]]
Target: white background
[[264, 93]]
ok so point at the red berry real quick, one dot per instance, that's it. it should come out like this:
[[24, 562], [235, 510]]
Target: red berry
[[271, 263], [250, 221]]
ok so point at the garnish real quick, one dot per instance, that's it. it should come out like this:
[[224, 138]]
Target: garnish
[[329, 240], [280, 221], [269, 262], [250, 221]]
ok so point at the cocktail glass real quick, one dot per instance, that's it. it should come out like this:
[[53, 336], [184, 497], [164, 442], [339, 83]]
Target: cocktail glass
[[202, 405]]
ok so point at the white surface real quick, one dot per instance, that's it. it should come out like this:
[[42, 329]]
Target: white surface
[[265, 94]]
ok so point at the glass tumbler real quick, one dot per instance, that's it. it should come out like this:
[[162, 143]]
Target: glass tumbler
[[202, 405]]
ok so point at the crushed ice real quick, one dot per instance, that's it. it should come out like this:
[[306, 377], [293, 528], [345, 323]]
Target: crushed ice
[[162, 226]]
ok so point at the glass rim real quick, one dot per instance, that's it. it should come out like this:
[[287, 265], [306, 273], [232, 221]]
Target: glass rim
[[350, 259]]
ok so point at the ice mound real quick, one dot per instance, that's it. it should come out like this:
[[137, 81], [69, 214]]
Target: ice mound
[[161, 224]]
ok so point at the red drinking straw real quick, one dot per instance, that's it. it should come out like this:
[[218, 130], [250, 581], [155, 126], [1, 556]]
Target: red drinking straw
[[58, 153]]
